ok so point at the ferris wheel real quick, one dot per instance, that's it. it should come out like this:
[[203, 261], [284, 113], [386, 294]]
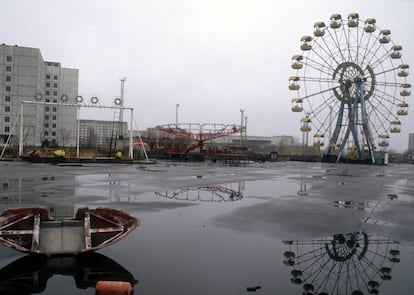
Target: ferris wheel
[[350, 84]]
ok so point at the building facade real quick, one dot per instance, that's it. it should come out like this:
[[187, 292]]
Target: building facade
[[411, 143], [40, 90], [97, 133]]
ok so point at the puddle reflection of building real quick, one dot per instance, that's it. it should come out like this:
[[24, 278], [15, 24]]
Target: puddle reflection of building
[[353, 263], [45, 190], [208, 193], [30, 273]]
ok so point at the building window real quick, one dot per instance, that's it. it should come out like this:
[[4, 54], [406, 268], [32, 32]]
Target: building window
[[47, 92], [7, 119], [7, 98], [46, 133], [8, 68], [54, 93], [54, 125], [55, 85], [46, 117], [47, 84], [55, 77], [48, 77], [54, 133], [9, 58], [47, 100], [46, 125], [7, 109], [54, 118], [8, 78], [54, 109], [8, 88], [54, 100], [7, 129], [46, 109]]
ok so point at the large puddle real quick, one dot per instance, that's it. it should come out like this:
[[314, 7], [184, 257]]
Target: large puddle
[[275, 228]]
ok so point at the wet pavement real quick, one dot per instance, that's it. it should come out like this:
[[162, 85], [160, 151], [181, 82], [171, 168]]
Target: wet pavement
[[272, 228]]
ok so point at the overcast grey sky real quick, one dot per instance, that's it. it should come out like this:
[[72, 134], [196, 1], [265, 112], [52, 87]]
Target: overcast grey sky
[[212, 57]]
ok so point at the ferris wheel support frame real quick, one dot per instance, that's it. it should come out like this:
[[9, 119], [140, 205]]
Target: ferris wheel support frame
[[353, 116]]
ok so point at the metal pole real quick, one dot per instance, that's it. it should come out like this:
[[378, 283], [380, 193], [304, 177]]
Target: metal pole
[[241, 125], [121, 114], [176, 114], [77, 131], [21, 130], [245, 129], [131, 150]]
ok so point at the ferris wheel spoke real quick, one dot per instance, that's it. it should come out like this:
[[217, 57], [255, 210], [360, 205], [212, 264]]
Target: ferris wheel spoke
[[353, 266], [377, 109], [380, 60], [324, 110], [382, 117], [386, 71], [347, 43], [320, 92], [388, 84], [310, 253], [369, 265], [327, 51], [375, 128], [372, 52], [322, 107], [385, 97], [360, 273], [334, 38], [364, 39], [316, 79], [317, 66], [370, 49]]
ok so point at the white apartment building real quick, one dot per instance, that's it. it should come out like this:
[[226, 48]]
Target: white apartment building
[[98, 133], [45, 87]]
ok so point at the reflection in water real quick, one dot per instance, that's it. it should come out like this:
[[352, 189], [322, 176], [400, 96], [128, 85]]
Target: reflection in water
[[369, 207], [38, 189], [209, 193], [352, 263], [30, 273]]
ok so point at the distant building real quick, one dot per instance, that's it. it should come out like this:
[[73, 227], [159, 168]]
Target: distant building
[[411, 143], [97, 133], [284, 140], [45, 86]]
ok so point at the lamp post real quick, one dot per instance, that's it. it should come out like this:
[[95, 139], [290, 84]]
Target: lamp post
[[176, 114], [241, 125], [245, 129]]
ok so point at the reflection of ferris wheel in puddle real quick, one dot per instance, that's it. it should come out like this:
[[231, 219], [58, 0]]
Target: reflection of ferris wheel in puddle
[[343, 264]]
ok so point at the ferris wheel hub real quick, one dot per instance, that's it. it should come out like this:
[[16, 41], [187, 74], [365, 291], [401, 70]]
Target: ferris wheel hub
[[349, 76]]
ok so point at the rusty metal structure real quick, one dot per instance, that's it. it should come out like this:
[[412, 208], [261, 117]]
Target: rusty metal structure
[[33, 230], [195, 136]]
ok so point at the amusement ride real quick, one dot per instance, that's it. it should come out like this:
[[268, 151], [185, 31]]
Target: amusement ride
[[351, 87]]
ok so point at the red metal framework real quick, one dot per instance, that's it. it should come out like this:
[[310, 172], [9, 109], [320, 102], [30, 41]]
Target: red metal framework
[[199, 133]]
